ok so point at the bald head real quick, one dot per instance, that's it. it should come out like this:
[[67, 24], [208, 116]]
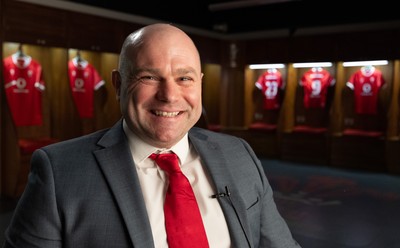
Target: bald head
[[159, 84], [159, 34]]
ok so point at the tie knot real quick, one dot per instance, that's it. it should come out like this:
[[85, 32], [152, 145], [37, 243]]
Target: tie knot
[[168, 162]]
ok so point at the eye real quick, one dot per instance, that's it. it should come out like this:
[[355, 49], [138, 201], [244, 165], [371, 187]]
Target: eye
[[148, 79], [186, 80]]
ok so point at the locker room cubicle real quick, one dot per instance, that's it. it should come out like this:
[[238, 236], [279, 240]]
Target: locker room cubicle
[[229, 97]]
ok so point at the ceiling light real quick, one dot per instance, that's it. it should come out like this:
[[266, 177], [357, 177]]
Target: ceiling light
[[266, 66], [363, 63], [312, 64]]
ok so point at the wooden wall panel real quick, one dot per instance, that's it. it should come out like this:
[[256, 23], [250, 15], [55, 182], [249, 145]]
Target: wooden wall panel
[[393, 128], [366, 45], [209, 49], [33, 24], [262, 51], [211, 97], [11, 156], [287, 120], [94, 33], [336, 115], [312, 48], [107, 110]]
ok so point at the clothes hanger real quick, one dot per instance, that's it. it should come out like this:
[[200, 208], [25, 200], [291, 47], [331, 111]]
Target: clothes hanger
[[315, 69], [20, 53], [367, 69], [78, 60], [78, 56]]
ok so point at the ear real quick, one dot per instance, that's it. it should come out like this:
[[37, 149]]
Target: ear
[[116, 81]]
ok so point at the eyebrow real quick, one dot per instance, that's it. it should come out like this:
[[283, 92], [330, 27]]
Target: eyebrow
[[139, 70], [152, 70], [186, 70]]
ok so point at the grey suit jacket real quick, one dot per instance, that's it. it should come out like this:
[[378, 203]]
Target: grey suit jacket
[[85, 192]]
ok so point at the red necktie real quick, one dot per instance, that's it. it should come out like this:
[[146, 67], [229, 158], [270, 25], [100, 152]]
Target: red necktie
[[183, 221]]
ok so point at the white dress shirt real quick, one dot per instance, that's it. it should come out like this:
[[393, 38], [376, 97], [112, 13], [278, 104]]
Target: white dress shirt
[[154, 185]]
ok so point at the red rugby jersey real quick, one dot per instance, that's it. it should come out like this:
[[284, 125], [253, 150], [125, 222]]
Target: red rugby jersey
[[316, 82], [84, 80], [366, 83], [24, 86], [269, 83]]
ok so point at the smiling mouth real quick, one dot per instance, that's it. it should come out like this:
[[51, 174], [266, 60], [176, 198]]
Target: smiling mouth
[[165, 114]]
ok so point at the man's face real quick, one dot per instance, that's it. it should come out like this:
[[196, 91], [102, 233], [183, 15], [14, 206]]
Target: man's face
[[162, 100]]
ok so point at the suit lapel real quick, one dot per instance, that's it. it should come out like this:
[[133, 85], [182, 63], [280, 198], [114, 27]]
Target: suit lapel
[[233, 206], [116, 162]]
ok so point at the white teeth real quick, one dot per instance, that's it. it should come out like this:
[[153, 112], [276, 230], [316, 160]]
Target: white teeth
[[166, 114]]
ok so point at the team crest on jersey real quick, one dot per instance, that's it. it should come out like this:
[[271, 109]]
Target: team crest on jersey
[[366, 90], [79, 85]]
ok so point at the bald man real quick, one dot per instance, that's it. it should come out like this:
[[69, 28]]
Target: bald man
[[103, 190]]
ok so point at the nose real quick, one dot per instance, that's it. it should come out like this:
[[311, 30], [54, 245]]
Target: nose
[[168, 91]]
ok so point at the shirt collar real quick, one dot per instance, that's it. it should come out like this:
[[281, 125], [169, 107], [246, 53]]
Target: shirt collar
[[141, 150]]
